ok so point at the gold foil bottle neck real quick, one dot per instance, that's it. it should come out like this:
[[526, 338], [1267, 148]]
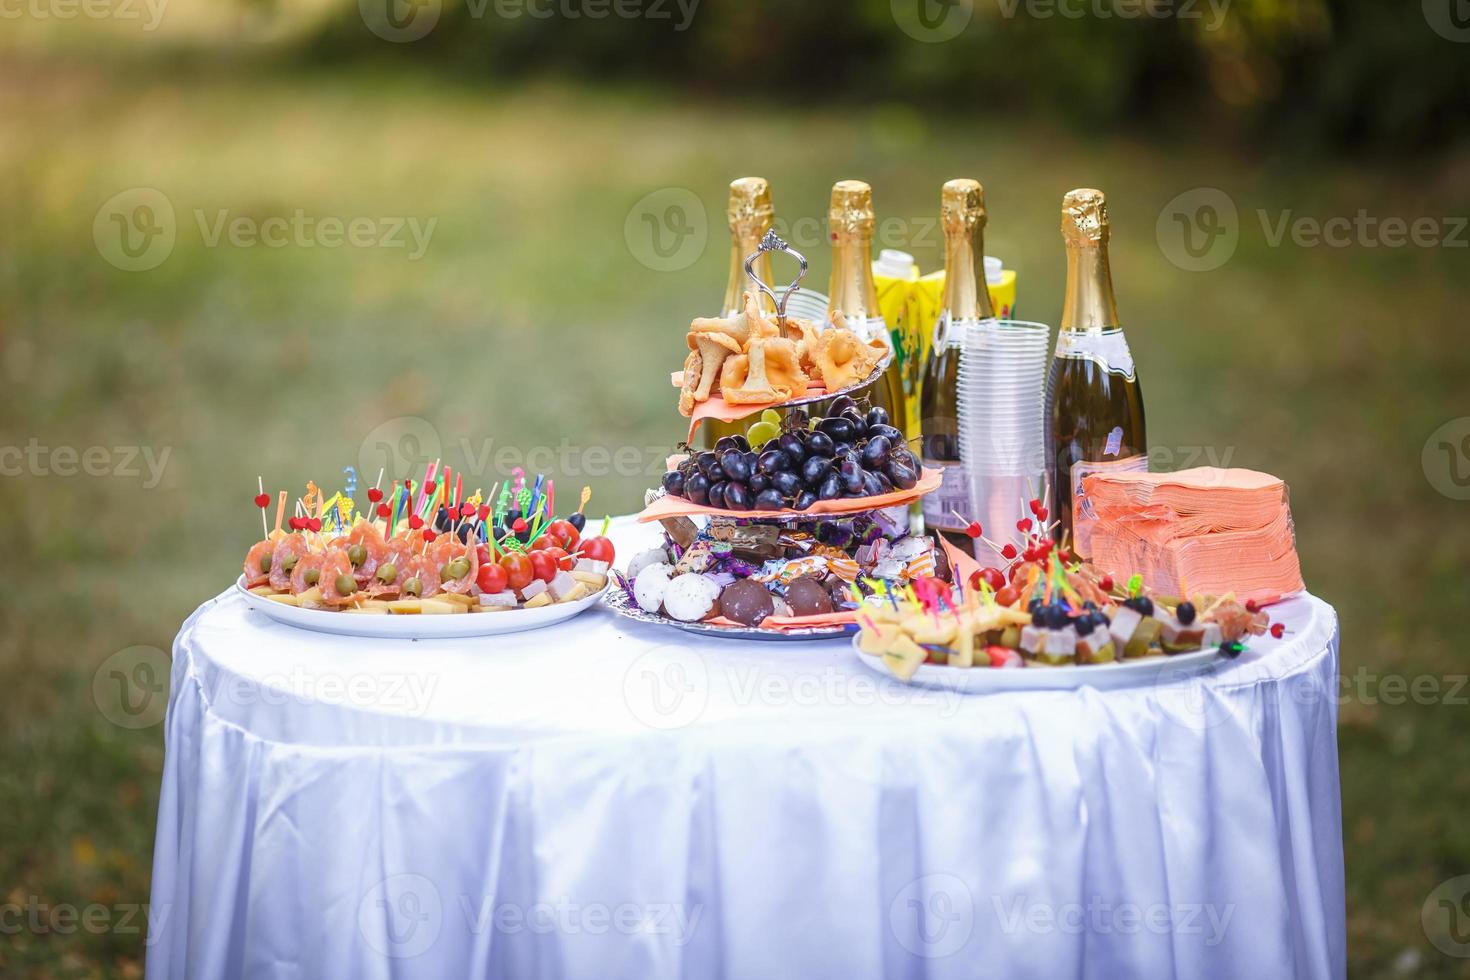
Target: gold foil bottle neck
[[851, 211], [751, 215], [1088, 304], [962, 206], [750, 205], [1085, 217]]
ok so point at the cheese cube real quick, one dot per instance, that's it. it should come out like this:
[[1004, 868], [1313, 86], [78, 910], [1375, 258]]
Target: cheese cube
[[1125, 622], [562, 585], [499, 600], [533, 589]]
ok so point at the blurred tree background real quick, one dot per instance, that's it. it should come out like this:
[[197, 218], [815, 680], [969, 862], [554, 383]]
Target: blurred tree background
[[1307, 74]]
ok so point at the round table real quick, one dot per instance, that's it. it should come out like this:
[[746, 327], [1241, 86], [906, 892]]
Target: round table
[[608, 798]]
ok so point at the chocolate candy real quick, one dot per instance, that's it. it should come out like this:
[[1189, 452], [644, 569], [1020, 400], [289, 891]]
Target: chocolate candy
[[808, 598], [746, 602]]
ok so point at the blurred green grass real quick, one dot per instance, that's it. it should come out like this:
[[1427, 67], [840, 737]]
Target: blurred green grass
[[531, 319]]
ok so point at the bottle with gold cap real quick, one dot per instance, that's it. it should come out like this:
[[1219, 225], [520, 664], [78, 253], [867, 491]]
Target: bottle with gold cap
[[852, 291], [751, 216], [1094, 410], [965, 300]]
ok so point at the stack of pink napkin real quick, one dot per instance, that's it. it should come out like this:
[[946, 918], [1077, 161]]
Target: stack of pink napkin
[[1207, 530]]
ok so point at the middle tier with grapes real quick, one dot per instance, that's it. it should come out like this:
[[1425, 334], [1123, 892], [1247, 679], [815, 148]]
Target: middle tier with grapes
[[786, 529]]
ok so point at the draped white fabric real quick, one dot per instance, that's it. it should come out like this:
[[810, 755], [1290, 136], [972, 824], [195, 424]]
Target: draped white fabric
[[611, 799]]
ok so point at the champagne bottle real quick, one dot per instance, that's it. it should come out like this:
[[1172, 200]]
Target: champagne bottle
[[852, 292], [1094, 411], [965, 300], [751, 216]]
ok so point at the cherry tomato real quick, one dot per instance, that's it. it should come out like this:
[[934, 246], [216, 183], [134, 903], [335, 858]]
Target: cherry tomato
[[543, 564], [491, 578], [563, 560], [518, 570], [598, 549], [1007, 596], [482, 553], [543, 542], [993, 577], [565, 533]]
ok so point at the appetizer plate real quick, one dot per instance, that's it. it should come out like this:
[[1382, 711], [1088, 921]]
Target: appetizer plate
[[618, 601], [986, 680], [417, 627]]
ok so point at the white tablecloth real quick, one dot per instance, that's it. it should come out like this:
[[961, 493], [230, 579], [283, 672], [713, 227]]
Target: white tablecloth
[[612, 799]]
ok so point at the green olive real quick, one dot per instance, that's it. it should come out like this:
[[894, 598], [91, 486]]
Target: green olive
[[387, 573], [459, 568], [345, 585], [356, 554], [289, 562], [313, 576], [265, 564], [413, 587]]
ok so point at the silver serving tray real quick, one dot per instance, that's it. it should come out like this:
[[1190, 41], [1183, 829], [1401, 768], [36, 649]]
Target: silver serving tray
[[617, 600]]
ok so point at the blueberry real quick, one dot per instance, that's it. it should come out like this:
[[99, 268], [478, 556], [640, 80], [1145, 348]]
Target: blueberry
[[1185, 613]]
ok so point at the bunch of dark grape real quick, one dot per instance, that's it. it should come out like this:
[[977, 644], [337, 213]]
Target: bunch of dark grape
[[847, 454]]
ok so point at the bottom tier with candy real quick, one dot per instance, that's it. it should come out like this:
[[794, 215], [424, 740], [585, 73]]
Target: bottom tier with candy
[[807, 576]]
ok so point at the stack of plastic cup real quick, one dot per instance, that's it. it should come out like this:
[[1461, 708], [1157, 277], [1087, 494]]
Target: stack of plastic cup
[[1001, 398]]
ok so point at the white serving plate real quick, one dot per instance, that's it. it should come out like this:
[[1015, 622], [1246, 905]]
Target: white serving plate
[[418, 627], [986, 680]]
